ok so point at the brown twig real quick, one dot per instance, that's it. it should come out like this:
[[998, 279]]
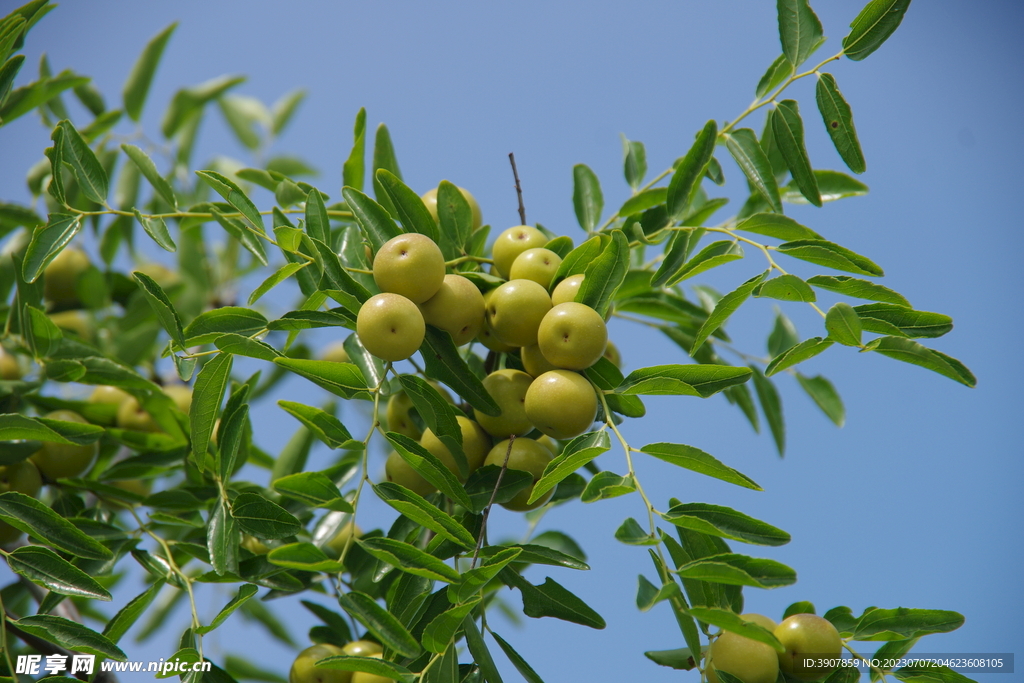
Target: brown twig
[[519, 189], [490, 503]]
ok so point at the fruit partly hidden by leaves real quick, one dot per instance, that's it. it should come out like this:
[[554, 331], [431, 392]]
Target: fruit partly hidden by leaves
[[808, 639], [487, 337], [10, 369], [398, 412], [60, 278], [109, 395], [304, 667], [410, 264], [336, 353], [611, 352], [457, 308], [73, 321], [528, 456], [561, 404], [254, 545], [390, 326], [430, 200], [476, 443], [398, 471], [164, 276], [534, 361], [131, 414], [572, 336], [22, 477], [335, 546], [8, 534], [57, 460], [362, 648], [364, 677], [513, 242], [508, 388], [537, 264], [749, 660], [566, 290], [515, 309]]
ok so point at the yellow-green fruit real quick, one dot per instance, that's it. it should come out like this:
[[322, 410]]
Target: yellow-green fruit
[[475, 445], [362, 648], [572, 336], [760, 620], [457, 308], [515, 310], [528, 456], [508, 388], [10, 369], [131, 415], [565, 291], [397, 412], [808, 639], [749, 660], [73, 321], [8, 534], [487, 336], [363, 677], [61, 276], [398, 471], [22, 477], [430, 200], [181, 395], [336, 353], [56, 460], [336, 545], [611, 352], [254, 545], [513, 242], [537, 264], [561, 404], [109, 395], [534, 361], [390, 326], [550, 444], [304, 667], [410, 264]]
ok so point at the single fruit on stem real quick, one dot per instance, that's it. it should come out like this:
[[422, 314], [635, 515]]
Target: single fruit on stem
[[508, 388], [486, 336], [60, 277], [808, 639], [430, 200], [749, 660], [475, 445], [572, 336], [304, 667], [56, 460], [398, 471], [390, 326], [513, 242], [515, 309], [561, 404], [410, 264], [527, 456], [566, 290], [457, 308], [537, 264], [336, 353]]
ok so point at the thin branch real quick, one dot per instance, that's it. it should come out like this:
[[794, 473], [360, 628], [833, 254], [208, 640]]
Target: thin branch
[[490, 503], [519, 189]]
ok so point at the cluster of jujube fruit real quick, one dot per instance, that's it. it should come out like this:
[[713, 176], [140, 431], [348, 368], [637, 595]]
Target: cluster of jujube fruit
[[527, 315]]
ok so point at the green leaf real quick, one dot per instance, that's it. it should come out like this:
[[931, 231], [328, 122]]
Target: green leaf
[[162, 306], [304, 557], [70, 635], [682, 380], [8, 72], [771, 404], [314, 489], [909, 351], [799, 29], [157, 229], [739, 570], [575, 455], [455, 217], [429, 467], [444, 363], [478, 650], [587, 198], [439, 417], [861, 289], [130, 613], [873, 26], [778, 226], [25, 99], [838, 118], [648, 595], [924, 672], [725, 307], [776, 75], [521, 665], [902, 623], [725, 522], [416, 508], [788, 133], [368, 364], [262, 518], [234, 196], [711, 256], [241, 115], [901, 321], [341, 379], [577, 260], [318, 224], [843, 325], [730, 621], [136, 88], [680, 658], [376, 666], [207, 394], [50, 570], [550, 599], [786, 288], [408, 558], [240, 345], [830, 255], [750, 157], [808, 348], [634, 162], [36, 519], [241, 232], [631, 533], [698, 461], [538, 554], [825, 396], [605, 485], [832, 185], [642, 201], [384, 157], [148, 169], [691, 169], [245, 591], [91, 176], [354, 169], [605, 274], [380, 623], [48, 241], [409, 209], [183, 114], [222, 539], [376, 222], [43, 336], [325, 426], [438, 634], [480, 486], [276, 278]]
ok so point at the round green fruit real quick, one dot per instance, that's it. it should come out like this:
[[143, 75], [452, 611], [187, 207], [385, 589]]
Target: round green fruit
[[397, 412], [513, 242], [611, 352], [336, 353], [131, 415], [430, 200], [362, 648], [56, 460], [508, 388], [10, 369], [515, 310], [108, 395], [398, 471], [164, 276], [60, 277], [528, 456], [572, 336], [561, 404], [335, 546], [760, 620], [73, 321], [254, 545], [22, 477], [390, 326], [457, 308], [808, 639], [534, 361], [475, 445], [537, 264], [363, 677], [565, 291], [749, 660], [8, 534], [410, 264], [486, 335], [304, 667]]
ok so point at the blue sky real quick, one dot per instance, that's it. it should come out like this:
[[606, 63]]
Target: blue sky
[[914, 502]]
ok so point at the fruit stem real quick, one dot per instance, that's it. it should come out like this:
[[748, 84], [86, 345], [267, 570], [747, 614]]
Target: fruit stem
[[519, 189], [490, 503]]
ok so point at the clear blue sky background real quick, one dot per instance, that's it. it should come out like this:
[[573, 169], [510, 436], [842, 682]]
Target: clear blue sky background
[[915, 502]]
